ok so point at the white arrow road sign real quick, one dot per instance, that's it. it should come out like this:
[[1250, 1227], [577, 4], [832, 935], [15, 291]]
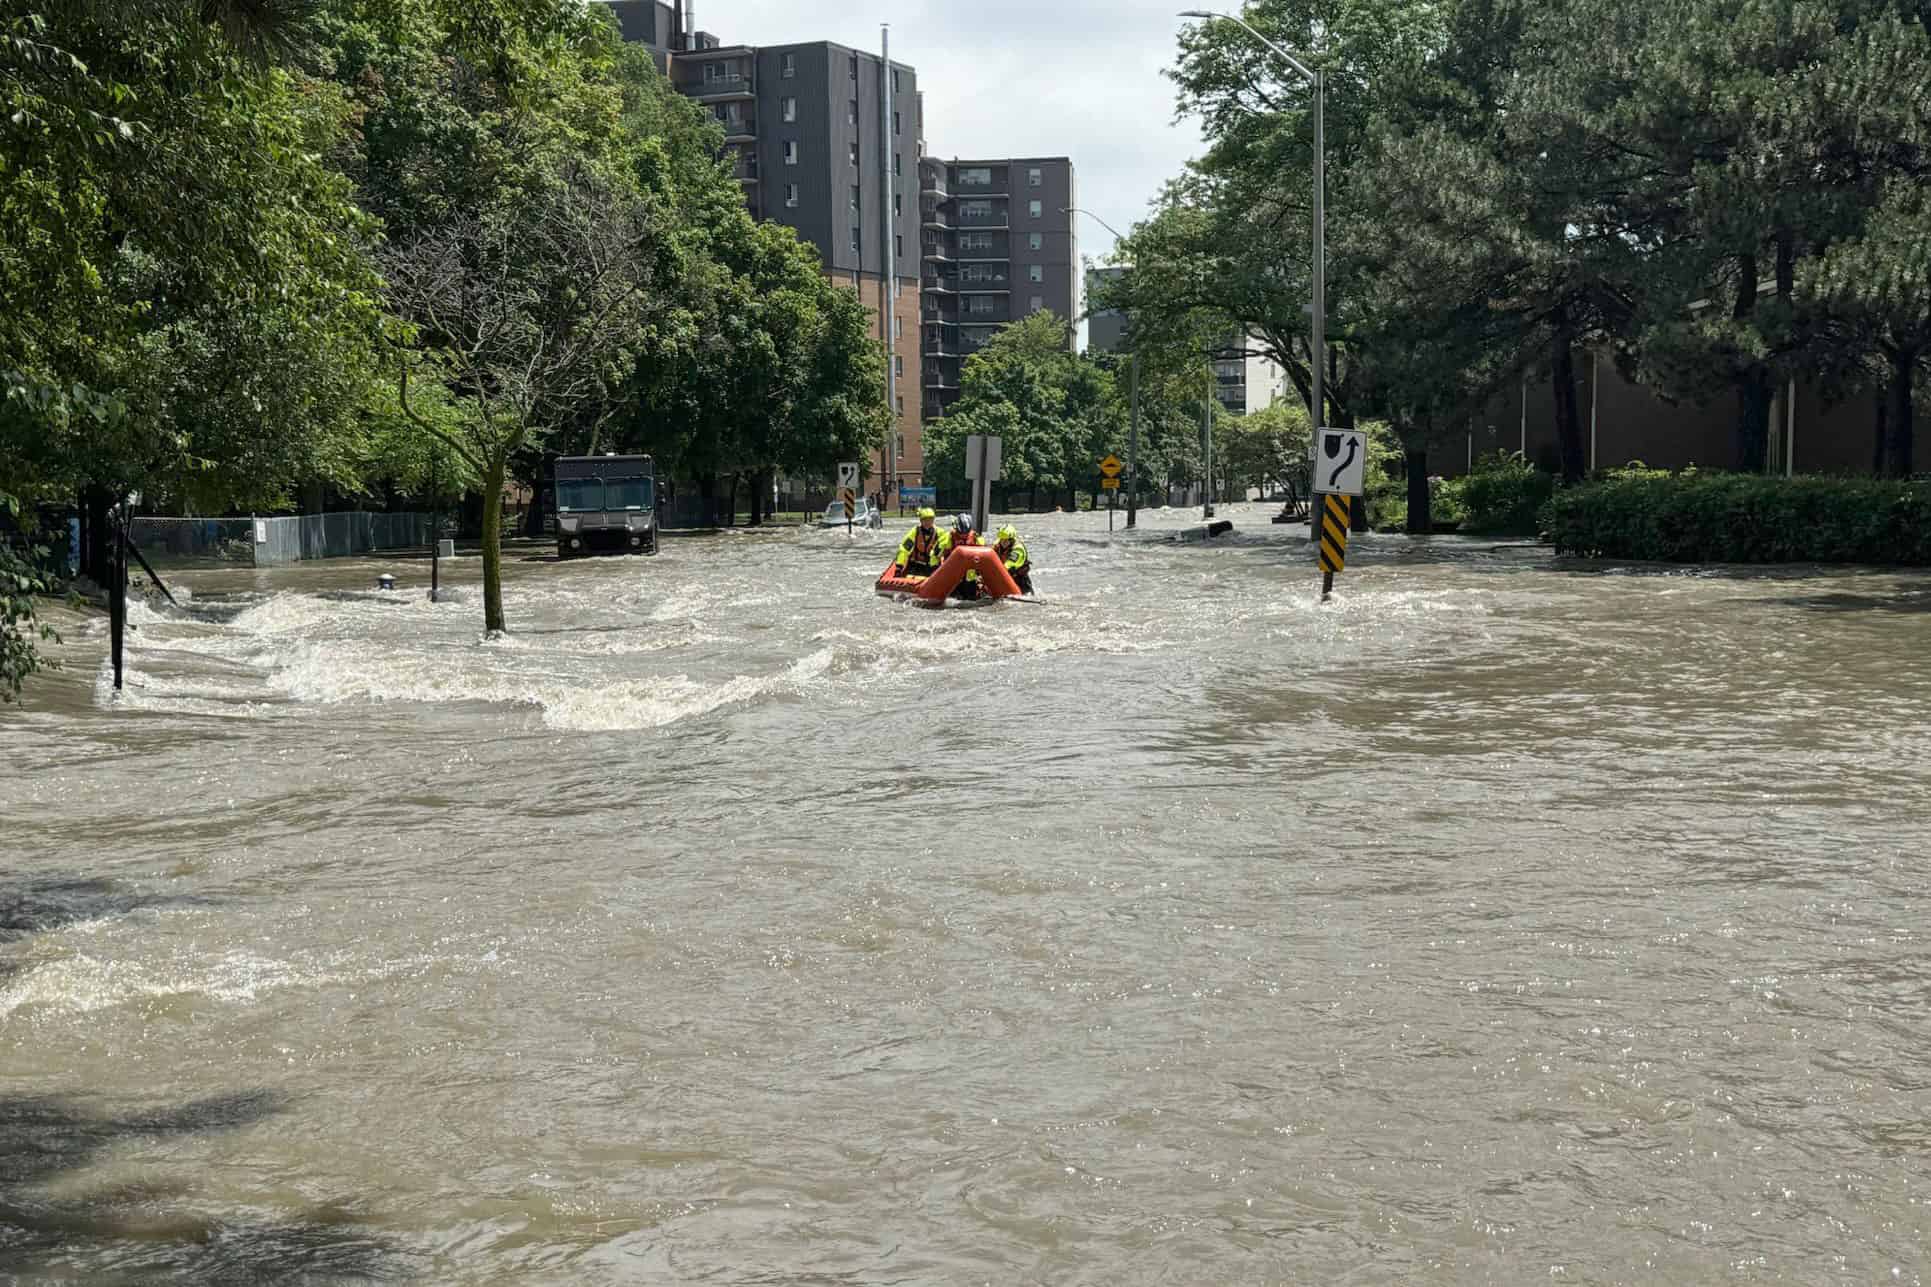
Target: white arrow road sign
[[1341, 462]]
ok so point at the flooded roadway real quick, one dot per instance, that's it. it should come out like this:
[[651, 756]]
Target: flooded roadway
[[1500, 922]]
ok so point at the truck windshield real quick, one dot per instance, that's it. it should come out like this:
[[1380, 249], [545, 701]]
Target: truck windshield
[[579, 494], [627, 493]]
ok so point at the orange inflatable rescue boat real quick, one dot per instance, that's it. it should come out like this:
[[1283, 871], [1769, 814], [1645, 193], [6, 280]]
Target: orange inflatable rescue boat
[[994, 581]]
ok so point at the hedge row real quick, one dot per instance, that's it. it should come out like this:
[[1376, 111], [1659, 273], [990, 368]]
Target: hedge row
[[1742, 518]]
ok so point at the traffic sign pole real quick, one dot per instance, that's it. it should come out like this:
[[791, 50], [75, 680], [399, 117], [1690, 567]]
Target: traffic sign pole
[[1110, 483], [1332, 520]]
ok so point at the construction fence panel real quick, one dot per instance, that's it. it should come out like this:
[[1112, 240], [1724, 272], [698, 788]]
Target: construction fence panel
[[275, 542], [194, 540]]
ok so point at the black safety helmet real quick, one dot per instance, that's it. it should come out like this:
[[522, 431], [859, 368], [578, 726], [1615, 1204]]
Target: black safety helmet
[[963, 523]]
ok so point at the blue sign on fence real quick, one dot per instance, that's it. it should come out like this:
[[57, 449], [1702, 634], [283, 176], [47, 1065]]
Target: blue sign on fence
[[918, 495]]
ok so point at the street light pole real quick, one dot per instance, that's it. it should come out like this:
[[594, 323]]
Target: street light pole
[[1207, 436], [1133, 376], [1317, 340]]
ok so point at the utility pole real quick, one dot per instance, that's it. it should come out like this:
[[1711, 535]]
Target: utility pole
[[1133, 432], [1133, 449], [1318, 331], [888, 289], [1207, 439]]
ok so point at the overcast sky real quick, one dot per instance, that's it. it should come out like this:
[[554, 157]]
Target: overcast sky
[[1078, 78]]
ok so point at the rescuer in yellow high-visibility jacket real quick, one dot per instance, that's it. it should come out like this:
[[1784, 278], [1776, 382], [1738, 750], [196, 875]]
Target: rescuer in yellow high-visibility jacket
[[922, 550], [1013, 555], [961, 534]]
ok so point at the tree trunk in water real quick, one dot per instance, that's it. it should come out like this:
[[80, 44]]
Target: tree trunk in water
[[1883, 401], [493, 547], [757, 499], [707, 492], [1568, 418], [1755, 392], [1898, 424], [1420, 521]]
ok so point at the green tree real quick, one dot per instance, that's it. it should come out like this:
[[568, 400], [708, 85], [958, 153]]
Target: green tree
[[778, 369], [1057, 413], [528, 311], [171, 234]]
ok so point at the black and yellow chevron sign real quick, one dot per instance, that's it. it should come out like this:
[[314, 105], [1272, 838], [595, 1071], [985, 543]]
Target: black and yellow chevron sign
[[1334, 533]]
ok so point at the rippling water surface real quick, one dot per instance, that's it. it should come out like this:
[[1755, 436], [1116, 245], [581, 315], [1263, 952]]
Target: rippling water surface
[[1499, 922]]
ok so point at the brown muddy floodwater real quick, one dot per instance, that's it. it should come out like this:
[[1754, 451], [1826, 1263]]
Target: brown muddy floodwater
[[1501, 922]]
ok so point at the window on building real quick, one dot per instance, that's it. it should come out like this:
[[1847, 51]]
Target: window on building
[[898, 328], [1034, 178], [791, 194], [1036, 303], [854, 236], [854, 66], [898, 245], [851, 111], [981, 305], [791, 151], [898, 364], [898, 123], [895, 86], [790, 109], [901, 409], [901, 445], [898, 165], [856, 197], [898, 203], [854, 154], [975, 176], [789, 68], [1033, 208], [1034, 273], [1036, 240], [714, 72]]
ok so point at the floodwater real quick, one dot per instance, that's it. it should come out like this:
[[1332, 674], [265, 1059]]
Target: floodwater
[[1502, 921]]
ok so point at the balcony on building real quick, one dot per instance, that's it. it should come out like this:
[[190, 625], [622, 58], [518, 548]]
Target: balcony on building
[[932, 180], [980, 181], [981, 219], [982, 278], [717, 74]]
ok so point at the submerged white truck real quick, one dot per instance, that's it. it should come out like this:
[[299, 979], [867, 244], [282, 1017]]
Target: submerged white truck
[[606, 505]]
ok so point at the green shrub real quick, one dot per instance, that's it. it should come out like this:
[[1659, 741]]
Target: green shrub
[[1505, 495], [1742, 518]]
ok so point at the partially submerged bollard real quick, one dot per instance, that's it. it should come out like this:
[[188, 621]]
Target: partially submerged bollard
[[385, 582]]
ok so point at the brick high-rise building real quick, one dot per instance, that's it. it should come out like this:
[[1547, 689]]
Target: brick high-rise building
[[998, 245], [819, 135]]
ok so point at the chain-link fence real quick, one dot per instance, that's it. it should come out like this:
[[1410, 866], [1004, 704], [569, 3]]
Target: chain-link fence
[[270, 542], [195, 540]]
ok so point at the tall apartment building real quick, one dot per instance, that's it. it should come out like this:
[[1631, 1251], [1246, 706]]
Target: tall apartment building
[[998, 245], [808, 133]]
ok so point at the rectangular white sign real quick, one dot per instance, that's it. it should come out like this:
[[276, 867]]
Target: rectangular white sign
[[1341, 462], [848, 474]]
